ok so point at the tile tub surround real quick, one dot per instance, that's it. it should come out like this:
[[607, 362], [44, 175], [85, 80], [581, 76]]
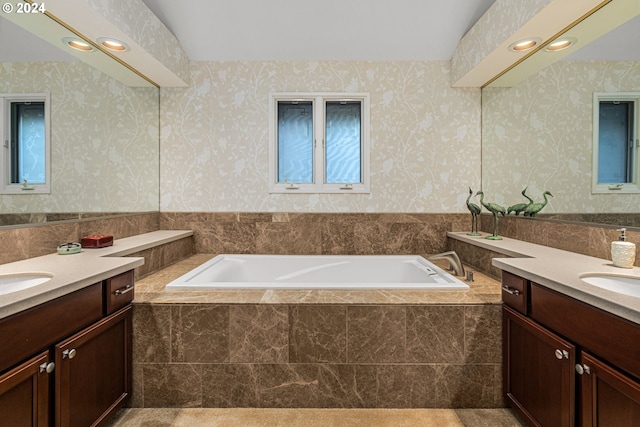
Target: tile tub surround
[[19, 242], [316, 233], [324, 349]]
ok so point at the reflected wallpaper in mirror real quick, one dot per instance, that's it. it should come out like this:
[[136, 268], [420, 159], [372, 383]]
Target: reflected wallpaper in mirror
[[538, 135], [104, 140]]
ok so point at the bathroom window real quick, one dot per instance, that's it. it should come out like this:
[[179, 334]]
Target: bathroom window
[[319, 143], [24, 126], [616, 143]]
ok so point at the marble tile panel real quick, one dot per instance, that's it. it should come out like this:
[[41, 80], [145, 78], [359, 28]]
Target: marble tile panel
[[45, 239], [318, 333], [287, 238], [483, 334], [172, 385], [151, 333], [468, 386], [200, 333], [258, 333], [137, 386], [338, 238], [288, 385], [254, 217], [153, 261], [435, 334], [569, 237], [531, 230], [14, 244], [376, 334], [405, 386], [178, 250], [227, 237], [229, 385]]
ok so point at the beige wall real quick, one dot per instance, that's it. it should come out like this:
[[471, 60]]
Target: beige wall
[[425, 137]]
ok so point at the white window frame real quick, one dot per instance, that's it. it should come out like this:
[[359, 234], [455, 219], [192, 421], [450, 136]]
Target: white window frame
[[319, 129], [6, 186], [612, 188]]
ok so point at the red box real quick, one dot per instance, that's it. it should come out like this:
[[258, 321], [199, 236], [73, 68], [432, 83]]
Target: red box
[[97, 241]]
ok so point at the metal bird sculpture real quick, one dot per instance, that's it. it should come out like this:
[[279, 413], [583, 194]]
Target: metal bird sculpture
[[495, 209], [534, 208], [520, 207], [475, 211]]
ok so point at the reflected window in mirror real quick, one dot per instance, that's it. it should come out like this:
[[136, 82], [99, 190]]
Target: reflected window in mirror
[[616, 144], [24, 126]]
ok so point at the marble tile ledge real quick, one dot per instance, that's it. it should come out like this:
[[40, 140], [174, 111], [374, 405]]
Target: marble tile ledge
[[151, 290], [76, 271], [560, 270]]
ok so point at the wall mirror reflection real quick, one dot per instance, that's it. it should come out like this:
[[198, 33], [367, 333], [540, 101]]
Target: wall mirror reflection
[[104, 134], [538, 133]]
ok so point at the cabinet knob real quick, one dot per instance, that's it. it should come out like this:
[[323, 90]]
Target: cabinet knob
[[47, 367], [562, 354], [69, 353], [583, 369]]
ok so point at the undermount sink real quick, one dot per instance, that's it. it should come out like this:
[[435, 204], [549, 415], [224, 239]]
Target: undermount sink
[[19, 281], [628, 285]]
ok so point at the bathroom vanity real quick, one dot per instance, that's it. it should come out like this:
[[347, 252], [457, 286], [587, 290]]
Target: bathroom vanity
[[568, 363], [67, 362]]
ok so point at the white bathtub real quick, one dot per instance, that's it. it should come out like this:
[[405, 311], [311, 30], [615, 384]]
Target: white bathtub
[[317, 272]]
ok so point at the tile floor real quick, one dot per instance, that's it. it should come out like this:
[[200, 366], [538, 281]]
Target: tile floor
[[249, 417]]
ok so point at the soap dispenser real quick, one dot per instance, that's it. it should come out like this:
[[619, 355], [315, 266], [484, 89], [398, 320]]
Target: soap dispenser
[[623, 253]]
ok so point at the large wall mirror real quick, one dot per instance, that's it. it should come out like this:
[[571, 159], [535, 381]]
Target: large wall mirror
[[538, 134], [104, 134]]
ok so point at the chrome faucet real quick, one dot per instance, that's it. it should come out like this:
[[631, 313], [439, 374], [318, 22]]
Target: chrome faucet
[[455, 264]]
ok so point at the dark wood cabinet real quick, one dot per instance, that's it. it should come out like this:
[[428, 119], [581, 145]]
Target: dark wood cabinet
[[68, 361], [539, 371], [94, 371], [608, 398], [24, 393], [567, 363]]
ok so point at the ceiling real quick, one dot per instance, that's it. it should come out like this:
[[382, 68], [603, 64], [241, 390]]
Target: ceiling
[[290, 30]]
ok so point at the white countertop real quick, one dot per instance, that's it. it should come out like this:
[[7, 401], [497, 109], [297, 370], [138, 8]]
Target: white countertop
[[560, 270], [76, 271]]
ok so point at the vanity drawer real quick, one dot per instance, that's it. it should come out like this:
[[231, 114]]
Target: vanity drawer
[[604, 334], [32, 330], [118, 292], [514, 292]]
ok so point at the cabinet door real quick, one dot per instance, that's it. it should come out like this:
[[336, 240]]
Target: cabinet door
[[94, 372], [539, 372], [608, 398], [24, 394]]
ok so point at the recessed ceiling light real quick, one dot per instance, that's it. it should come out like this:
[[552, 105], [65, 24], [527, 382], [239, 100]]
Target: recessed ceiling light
[[561, 44], [77, 44], [524, 45], [113, 44]]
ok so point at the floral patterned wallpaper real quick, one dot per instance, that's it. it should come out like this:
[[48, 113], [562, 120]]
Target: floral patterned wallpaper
[[104, 140], [539, 134], [425, 137]]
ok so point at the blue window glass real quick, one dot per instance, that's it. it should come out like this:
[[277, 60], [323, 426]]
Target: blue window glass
[[28, 143], [615, 150], [295, 142], [343, 142]]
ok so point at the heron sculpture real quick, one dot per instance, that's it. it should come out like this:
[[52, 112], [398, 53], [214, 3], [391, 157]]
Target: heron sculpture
[[520, 207], [475, 211], [534, 208], [495, 209]]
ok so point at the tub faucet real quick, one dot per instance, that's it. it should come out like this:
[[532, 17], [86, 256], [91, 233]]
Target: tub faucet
[[454, 261]]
